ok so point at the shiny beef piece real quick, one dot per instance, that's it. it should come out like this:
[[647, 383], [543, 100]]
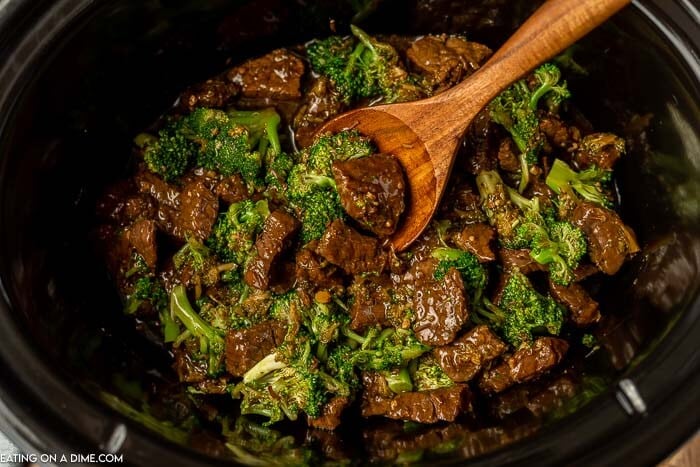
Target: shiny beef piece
[[445, 60], [350, 250], [481, 145], [246, 347], [212, 93], [142, 237], [188, 370], [372, 191], [601, 150], [122, 205], [440, 306], [199, 208], [330, 418], [313, 272], [231, 189], [477, 239], [319, 104], [468, 354], [277, 235], [524, 365], [583, 310], [558, 134], [371, 298], [443, 404], [519, 259], [508, 159], [610, 241], [275, 76]]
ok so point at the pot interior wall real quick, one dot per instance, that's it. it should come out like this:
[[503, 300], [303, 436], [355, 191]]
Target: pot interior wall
[[123, 63]]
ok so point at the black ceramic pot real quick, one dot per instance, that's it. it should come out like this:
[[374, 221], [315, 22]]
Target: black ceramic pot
[[78, 78]]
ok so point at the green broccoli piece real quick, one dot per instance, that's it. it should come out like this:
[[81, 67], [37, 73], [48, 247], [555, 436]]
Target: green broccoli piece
[[235, 142], [146, 289], [368, 68], [311, 189], [278, 166], [558, 244], [473, 272], [389, 349], [548, 77], [398, 380], [277, 387], [170, 153], [211, 342], [516, 110], [193, 254], [234, 232], [588, 183], [342, 146], [521, 312], [428, 375], [496, 204]]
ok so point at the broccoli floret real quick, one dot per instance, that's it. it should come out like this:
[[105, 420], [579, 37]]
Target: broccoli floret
[[211, 342], [558, 244], [392, 348], [495, 201], [278, 167], [277, 387], [367, 68], [429, 375], [232, 144], [587, 183], [146, 289], [342, 146], [516, 110], [473, 273], [340, 365], [170, 153], [233, 235], [522, 311], [548, 77]]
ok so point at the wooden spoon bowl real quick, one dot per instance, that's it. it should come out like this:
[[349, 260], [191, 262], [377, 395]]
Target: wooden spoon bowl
[[425, 135]]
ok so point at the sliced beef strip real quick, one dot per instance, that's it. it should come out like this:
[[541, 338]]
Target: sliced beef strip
[[440, 306], [142, 237], [188, 371], [508, 156], [481, 145], [277, 235], [610, 241], [372, 191], [601, 150], [320, 103], [123, 205], [212, 93], [526, 364], [246, 347], [519, 259], [164, 193], [477, 239], [199, 208], [350, 250], [463, 203], [330, 418], [231, 189], [583, 310], [558, 133], [468, 354], [443, 404], [313, 272], [371, 299], [275, 76], [445, 61]]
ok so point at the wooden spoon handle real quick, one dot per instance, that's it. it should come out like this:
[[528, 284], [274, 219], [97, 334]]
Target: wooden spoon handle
[[556, 25]]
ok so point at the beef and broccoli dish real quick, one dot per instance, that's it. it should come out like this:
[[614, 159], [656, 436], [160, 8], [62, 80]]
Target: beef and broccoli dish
[[256, 250]]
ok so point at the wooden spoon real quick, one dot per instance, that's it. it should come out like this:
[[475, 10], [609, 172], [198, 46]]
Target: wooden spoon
[[424, 135]]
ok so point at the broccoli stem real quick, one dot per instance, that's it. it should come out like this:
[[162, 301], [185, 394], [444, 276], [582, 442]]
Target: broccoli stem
[[399, 380], [210, 340], [267, 120], [264, 367]]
